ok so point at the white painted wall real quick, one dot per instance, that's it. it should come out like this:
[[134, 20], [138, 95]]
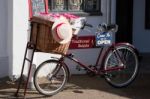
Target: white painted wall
[[18, 15], [13, 35], [3, 38], [14, 25], [141, 36], [89, 56]]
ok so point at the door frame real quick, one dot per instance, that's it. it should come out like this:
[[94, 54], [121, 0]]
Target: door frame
[[124, 19]]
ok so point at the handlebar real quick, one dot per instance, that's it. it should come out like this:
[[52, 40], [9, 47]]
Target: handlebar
[[82, 23], [86, 24]]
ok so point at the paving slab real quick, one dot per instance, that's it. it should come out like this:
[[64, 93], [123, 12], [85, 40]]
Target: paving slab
[[85, 87]]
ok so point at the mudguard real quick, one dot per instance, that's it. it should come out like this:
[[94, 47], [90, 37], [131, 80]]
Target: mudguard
[[130, 45]]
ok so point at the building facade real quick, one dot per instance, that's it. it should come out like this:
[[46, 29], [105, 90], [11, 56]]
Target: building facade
[[129, 15]]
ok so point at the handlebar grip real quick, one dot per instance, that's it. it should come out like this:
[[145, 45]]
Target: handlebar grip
[[88, 25]]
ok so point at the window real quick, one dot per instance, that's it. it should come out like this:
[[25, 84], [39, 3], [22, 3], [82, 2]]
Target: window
[[79, 7], [37, 6], [89, 7]]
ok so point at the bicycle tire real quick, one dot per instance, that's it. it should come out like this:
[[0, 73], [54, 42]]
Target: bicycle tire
[[121, 78], [50, 77]]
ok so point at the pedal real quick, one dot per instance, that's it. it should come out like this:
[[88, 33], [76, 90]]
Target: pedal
[[108, 75], [91, 74], [79, 68]]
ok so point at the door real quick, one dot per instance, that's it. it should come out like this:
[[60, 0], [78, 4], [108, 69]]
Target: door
[[124, 18]]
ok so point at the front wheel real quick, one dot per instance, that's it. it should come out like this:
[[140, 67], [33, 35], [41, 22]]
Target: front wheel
[[50, 77], [121, 65]]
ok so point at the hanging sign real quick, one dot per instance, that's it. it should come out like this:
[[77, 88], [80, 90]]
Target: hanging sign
[[82, 42], [103, 39]]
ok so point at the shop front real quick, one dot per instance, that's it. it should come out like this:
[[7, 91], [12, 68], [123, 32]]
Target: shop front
[[14, 25]]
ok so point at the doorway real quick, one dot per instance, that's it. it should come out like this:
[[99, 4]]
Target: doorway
[[124, 19]]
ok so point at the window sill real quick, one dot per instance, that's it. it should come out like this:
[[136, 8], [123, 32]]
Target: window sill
[[79, 13]]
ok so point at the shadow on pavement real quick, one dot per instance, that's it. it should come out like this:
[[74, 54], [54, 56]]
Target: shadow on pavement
[[81, 84], [139, 89]]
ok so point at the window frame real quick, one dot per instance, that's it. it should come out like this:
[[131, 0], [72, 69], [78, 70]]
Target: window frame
[[80, 13]]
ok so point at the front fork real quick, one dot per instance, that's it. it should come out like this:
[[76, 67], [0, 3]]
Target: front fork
[[61, 61]]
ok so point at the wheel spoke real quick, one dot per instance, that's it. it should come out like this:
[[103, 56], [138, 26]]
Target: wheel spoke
[[126, 58], [50, 77]]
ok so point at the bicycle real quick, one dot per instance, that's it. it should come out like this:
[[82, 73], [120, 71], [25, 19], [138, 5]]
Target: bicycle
[[119, 66]]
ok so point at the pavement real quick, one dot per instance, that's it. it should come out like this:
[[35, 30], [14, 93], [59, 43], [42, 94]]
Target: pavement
[[85, 87]]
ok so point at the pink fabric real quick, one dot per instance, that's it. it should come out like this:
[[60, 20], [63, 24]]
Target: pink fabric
[[55, 16], [70, 16]]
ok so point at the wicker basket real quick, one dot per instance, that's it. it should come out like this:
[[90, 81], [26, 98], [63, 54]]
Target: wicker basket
[[41, 36]]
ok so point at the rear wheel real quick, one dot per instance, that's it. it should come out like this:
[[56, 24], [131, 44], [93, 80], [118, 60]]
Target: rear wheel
[[124, 58], [50, 77]]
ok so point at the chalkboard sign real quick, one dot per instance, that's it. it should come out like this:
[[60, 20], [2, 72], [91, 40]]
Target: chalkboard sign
[[37, 6]]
